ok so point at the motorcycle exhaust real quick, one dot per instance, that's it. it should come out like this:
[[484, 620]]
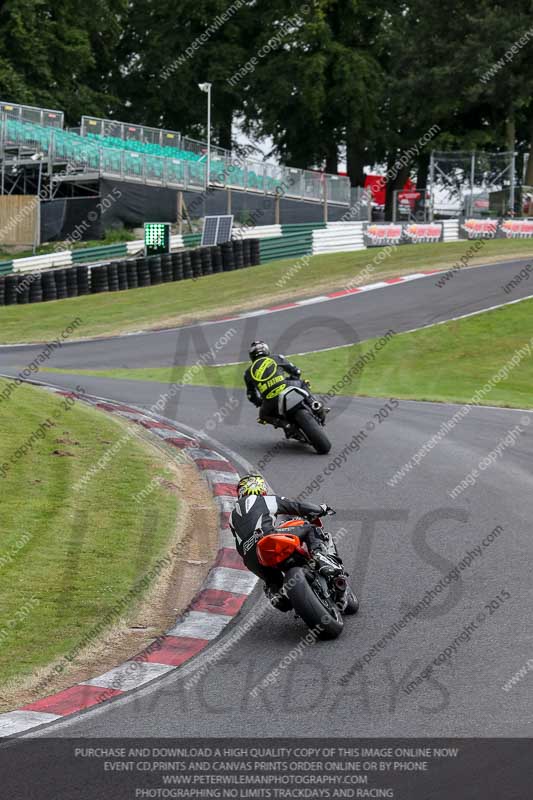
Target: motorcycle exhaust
[[340, 583], [316, 405]]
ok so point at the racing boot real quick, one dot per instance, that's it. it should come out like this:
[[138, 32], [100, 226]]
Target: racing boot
[[327, 564], [277, 597]]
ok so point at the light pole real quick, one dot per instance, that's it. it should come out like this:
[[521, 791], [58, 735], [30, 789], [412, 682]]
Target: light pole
[[37, 232], [206, 87]]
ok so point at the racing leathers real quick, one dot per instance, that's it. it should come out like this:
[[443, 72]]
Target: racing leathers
[[254, 516], [265, 379]]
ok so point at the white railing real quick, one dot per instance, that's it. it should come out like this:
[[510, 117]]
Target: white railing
[[450, 230], [258, 232], [339, 237]]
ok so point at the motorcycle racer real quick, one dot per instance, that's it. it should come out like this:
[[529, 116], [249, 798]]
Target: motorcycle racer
[[254, 515], [267, 376]]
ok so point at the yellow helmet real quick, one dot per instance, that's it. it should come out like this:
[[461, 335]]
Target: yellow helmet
[[251, 484]]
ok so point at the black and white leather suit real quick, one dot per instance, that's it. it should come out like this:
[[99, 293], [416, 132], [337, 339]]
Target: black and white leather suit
[[255, 516]]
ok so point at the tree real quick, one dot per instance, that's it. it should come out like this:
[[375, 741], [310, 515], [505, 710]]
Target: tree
[[59, 55], [503, 68], [440, 71], [323, 79], [315, 93], [168, 49], [25, 72]]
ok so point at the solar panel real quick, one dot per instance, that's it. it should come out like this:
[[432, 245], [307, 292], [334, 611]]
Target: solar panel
[[217, 229], [209, 234], [225, 227]]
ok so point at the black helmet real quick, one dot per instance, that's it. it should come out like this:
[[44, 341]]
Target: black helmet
[[258, 349]]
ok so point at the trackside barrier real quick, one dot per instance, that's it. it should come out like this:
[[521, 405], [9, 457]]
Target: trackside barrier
[[137, 245], [302, 227], [450, 230], [275, 231], [81, 279], [344, 237], [286, 247], [97, 253], [64, 258], [272, 242], [258, 232], [61, 259], [191, 239], [287, 240]]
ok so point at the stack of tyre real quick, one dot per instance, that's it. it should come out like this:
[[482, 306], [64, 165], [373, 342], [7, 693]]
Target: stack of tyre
[[75, 281], [36, 288], [241, 253], [100, 279], [11, 294], [83, 278]]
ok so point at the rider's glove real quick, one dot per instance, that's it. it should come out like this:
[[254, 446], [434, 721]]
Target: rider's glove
[[326, 510]]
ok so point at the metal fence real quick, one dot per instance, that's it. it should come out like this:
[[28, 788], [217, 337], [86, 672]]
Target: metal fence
[[230, 170], [87, 155], [129, 132], [40, 116], [471, 183], [200, 148]]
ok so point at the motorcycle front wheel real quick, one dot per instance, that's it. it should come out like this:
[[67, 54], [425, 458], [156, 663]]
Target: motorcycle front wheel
[[321, 616]]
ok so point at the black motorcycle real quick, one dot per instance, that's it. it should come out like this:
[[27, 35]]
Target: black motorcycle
[[303, 417], [319, 600]]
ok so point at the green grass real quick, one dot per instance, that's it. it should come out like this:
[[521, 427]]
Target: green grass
[[447, 363], [176, 303], [67, 556]]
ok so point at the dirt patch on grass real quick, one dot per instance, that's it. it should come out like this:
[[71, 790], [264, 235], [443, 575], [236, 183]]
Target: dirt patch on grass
[[190, 552]]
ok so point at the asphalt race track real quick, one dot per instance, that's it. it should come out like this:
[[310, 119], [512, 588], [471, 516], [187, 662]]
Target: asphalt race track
[[399, 542], [330, 324]]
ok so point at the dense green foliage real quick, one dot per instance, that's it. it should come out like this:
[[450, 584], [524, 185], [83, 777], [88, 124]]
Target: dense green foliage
[[339, 76], [61, 54]]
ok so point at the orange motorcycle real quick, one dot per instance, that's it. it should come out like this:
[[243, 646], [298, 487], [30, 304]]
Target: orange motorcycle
[[319, 597]]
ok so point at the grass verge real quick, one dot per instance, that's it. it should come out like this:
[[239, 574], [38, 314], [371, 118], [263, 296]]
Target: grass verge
[[446, 363], [68, 557], [177, 303]]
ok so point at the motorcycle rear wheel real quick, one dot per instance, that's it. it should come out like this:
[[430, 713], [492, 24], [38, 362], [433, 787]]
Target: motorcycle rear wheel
[[313, 431], [326, 621]]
